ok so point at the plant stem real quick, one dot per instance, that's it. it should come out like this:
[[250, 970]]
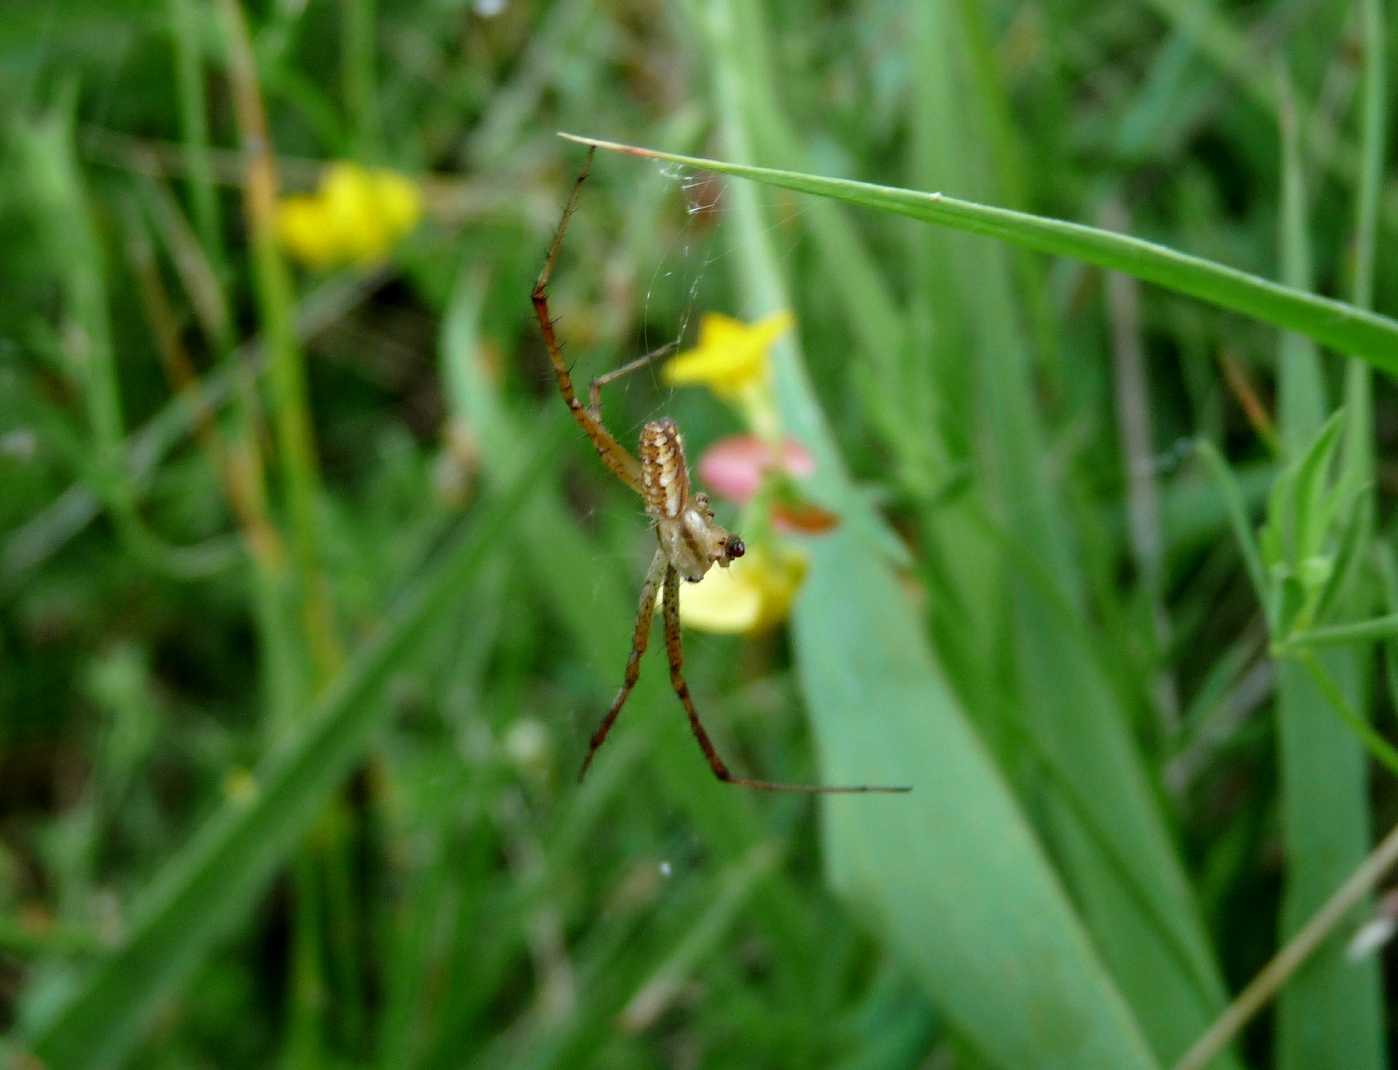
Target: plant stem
[[1290, 958]]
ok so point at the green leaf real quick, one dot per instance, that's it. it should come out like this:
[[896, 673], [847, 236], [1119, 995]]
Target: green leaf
[[951, 873], [1236, 509], [1312, 502], [1352, 330], [1361, 631], [1300, 513], [1301, 507]]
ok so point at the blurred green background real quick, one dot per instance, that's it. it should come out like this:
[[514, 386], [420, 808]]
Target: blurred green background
[[311, 593]]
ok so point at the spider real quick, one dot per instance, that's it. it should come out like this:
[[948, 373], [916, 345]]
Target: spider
[[690, 541]]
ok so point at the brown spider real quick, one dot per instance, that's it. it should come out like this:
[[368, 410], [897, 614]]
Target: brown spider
[[690, 540]]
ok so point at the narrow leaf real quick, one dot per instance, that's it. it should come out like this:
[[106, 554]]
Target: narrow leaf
[[1341, 326], [1345, 634], [1236, 508]]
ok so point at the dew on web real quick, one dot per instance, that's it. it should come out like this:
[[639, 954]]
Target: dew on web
[[694, 189], [677, 281], [701, 194]]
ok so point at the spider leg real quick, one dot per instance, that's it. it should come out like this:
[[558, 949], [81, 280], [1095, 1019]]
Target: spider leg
[[639, 639], [614, 455], [594, 407], [675, 652]]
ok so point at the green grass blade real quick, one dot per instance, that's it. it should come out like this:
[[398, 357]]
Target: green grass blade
[[1330, 1013], [702, 938], [965, 576], [1310, 486], [1341, 326], [49, 165], [1237, 512], [194, 124], [1305, 1029], [48, 531], [208, 887], [956, 856], [1238, 56], [289, 390], [1362, 631]]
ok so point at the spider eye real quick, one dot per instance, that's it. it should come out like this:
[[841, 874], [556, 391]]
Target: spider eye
[[735, 547]]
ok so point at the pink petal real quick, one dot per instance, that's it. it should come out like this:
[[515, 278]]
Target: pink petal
[[733, 467]]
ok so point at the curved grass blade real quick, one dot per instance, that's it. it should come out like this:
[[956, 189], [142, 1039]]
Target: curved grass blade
[[1341, 326]]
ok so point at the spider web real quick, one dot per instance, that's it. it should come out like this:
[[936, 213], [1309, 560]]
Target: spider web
[[687, 269], [685, 266], [688, 273]]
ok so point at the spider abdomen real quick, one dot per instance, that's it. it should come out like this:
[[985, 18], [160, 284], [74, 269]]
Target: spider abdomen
[[664, 475]]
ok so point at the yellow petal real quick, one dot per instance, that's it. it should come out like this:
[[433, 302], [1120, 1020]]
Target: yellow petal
[[355, 216], [723, 371], [399, 200], [348, 193], [731, 356], [305, 231], [750, 596], [723, 601], [768, 329], [717, 331]]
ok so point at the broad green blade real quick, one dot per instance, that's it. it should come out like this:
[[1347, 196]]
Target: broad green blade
[[1341, 326], [951, 874]]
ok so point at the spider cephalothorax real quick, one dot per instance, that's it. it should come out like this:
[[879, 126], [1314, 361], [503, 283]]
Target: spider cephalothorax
[[690, 540]]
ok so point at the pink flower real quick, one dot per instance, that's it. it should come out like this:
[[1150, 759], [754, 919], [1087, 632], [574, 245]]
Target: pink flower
[[733, 467]]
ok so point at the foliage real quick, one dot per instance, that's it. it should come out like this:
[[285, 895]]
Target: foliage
[[311, 594]]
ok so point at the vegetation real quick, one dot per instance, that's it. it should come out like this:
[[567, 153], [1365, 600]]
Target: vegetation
[[311, 592]]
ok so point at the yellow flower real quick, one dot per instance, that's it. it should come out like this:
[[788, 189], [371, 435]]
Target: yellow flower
[[731, 357], [355, 217], [301, 227], [750, 596]]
